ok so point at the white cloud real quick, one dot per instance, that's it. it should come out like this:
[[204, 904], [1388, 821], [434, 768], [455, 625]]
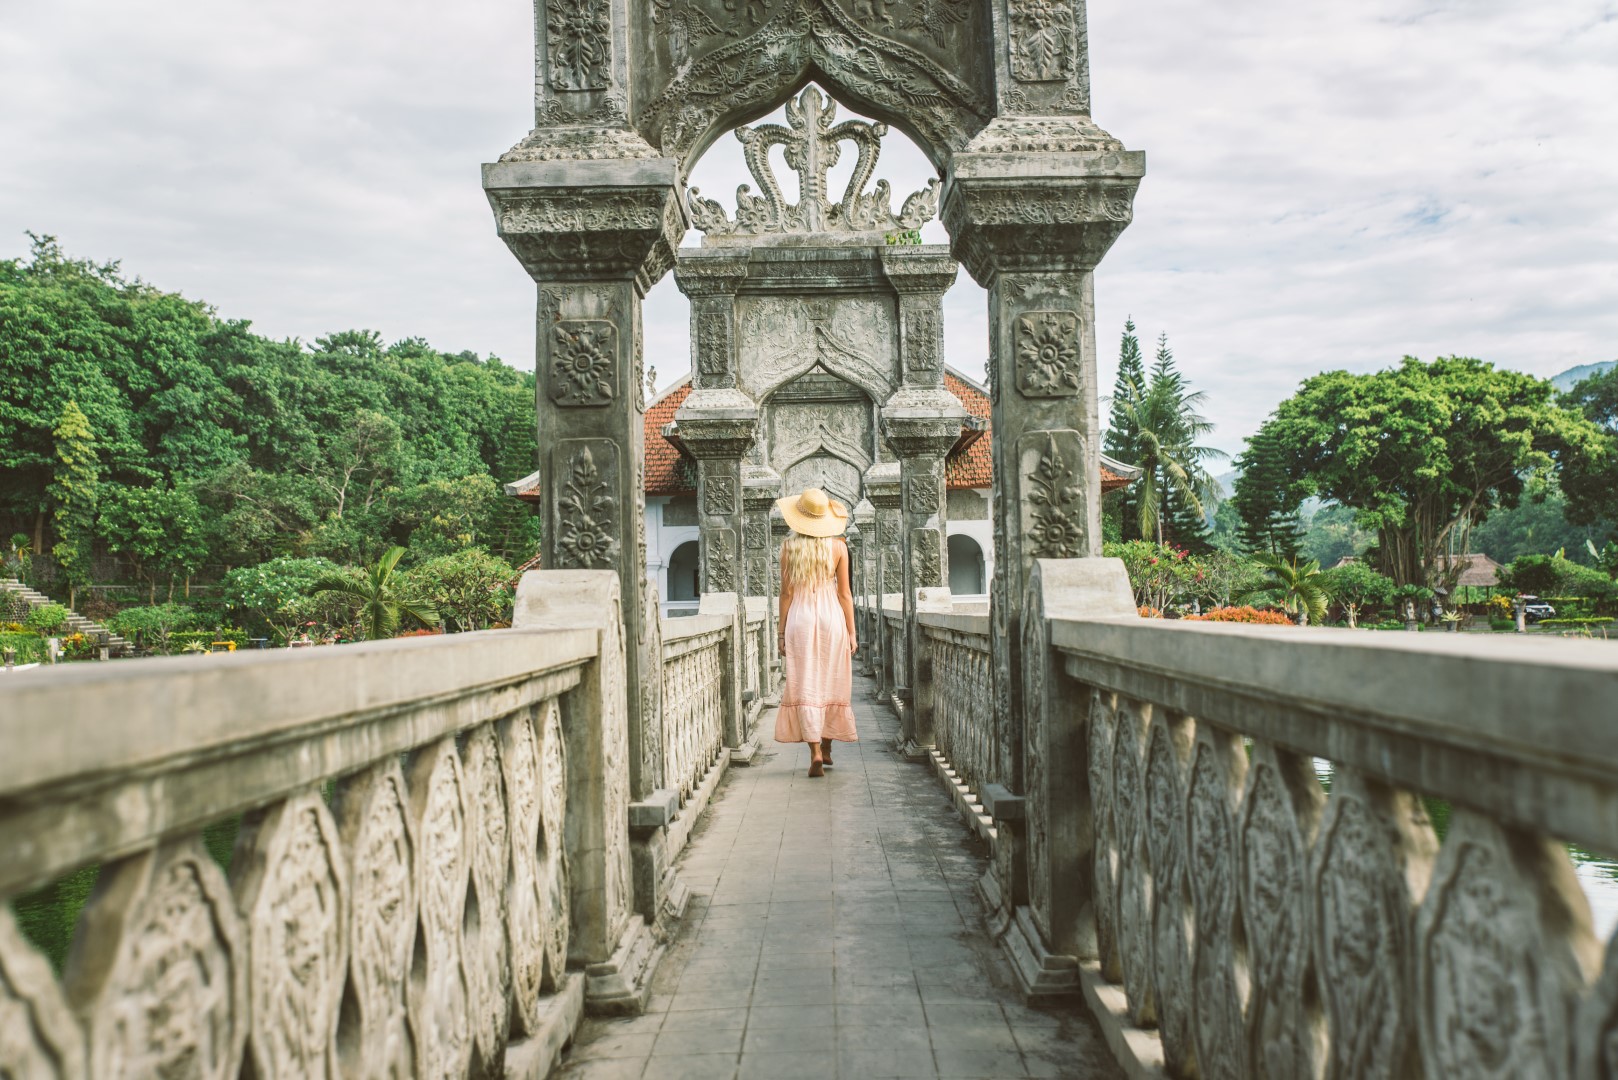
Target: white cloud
[[1328, 185]]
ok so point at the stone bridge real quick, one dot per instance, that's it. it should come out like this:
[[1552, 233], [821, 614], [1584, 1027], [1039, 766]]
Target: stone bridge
[[1073, 843], [441, 868]]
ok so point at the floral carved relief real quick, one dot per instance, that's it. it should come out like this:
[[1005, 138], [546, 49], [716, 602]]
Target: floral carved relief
[[587, 511], [1134, 871], [579, 39], [1044, 40], [488, 952], [373, 822], [1499, 937], [1103, 723], [1375, 849], [1054, 511], [553, 882], [440, 1001], [584, 362], [293, 893], [1165, 842], [519, 764], [719, 495], [1048, 354], [1218, 767], [166, 995], [721, 561]]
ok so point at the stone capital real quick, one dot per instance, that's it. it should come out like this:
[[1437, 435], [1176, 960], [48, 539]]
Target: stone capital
[[883, 486], [701, 272], [864, 513], [929, 269], [589, 220], [761, 486], [922, 421], [717, 423], [1039, 210]]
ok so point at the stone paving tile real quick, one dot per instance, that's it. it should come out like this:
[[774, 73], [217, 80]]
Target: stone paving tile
[[835, 931]]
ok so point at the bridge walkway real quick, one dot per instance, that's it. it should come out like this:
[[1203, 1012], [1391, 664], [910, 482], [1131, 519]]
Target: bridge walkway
[[835, 931]]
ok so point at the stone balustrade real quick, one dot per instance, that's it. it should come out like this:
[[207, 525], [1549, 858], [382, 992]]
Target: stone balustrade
[[1229, 826], [433, 872], [957, 704]]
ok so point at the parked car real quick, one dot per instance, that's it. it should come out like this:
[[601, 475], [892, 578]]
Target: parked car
[[1535, 609]]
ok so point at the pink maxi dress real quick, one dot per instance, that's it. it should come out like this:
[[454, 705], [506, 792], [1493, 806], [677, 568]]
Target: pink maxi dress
[[816, 703]]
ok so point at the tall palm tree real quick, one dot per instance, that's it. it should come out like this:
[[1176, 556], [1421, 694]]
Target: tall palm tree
[[1167, 429], [379, 597], [1297, 587]]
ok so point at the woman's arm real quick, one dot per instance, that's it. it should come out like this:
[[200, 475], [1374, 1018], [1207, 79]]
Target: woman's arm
[[845, 594], [784, 605]]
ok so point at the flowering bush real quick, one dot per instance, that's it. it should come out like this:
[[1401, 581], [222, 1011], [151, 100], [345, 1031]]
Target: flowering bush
[[423, 632], [1244, 614], [1148, 612]]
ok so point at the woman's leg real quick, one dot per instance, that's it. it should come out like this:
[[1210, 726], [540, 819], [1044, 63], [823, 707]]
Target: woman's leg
[[825, 751], [816, 762]]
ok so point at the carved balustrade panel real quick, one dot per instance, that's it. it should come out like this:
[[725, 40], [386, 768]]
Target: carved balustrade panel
[[962, 699], [488, 951], [293, 892], [1276, 915], [693, 707], [411, 928]]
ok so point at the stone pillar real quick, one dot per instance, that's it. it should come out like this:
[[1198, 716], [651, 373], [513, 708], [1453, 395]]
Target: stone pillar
[[718, 427], [594, 214], [864, 516], [883, 491], [761, 486], [1030, 226]]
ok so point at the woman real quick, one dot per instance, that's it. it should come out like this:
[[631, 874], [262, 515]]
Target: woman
[[816, 627]]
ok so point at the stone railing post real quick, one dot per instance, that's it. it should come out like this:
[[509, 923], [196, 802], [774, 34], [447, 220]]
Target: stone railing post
[[883, 489], [730, 606], [864, 587], [761, 486], [718, 427], [610, 935], [924, 695], [1047, 938], [1032, 204]]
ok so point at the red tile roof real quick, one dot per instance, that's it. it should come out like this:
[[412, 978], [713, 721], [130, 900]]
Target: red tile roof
[[971, 467], [663, 474]]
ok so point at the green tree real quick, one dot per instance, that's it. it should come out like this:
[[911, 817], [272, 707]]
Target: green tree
[[470, 590], [1424, 450], [1357, 588], [74, 494], [1175, 483], [1294, 587], [1591, 481], [160, 530], [1122, 441], [273, 592], [381, 600], [1333, 533], [153, 627], [1266, 499]]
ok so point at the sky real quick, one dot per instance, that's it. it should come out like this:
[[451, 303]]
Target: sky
[[1328, 185]]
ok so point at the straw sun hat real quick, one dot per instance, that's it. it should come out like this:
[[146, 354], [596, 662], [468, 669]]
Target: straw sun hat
[[814, 513]]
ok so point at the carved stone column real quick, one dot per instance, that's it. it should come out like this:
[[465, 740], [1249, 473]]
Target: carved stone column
[[1033, 203], [718, 427], [883, 490], [593, 213]]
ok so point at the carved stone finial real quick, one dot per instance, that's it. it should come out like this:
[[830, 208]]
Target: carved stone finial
[[812, 143]]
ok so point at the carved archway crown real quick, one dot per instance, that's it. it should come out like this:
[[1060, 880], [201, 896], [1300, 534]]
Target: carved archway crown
[[746, 74]]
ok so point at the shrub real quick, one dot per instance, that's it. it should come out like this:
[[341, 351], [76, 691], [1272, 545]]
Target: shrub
[[1148, 613], [205, 638], [1501, 624], [1244, 614], [30, 646], [47, 618], [152, 627], [1590, 620], [470, 590]]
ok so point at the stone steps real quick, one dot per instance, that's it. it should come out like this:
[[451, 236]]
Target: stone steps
[[76, 623]]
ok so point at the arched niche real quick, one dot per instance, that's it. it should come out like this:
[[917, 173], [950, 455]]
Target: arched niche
[[685, 582], [966, 569], [714, 64]]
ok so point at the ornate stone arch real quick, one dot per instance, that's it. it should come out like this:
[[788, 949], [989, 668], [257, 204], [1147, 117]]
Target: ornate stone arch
[[807, 41]]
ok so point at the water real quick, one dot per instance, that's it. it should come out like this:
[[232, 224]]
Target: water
[[1598, 875]]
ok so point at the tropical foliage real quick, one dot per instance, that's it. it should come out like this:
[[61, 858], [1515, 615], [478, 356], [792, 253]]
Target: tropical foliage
[[1296, 588], [379, 596]]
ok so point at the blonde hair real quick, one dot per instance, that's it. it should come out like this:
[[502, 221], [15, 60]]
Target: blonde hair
[[808, 560]]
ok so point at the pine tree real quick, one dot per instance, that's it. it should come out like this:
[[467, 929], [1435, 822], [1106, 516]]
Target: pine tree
[[1264, 499], [1171, 497], [1123, 436], [73, 492]]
